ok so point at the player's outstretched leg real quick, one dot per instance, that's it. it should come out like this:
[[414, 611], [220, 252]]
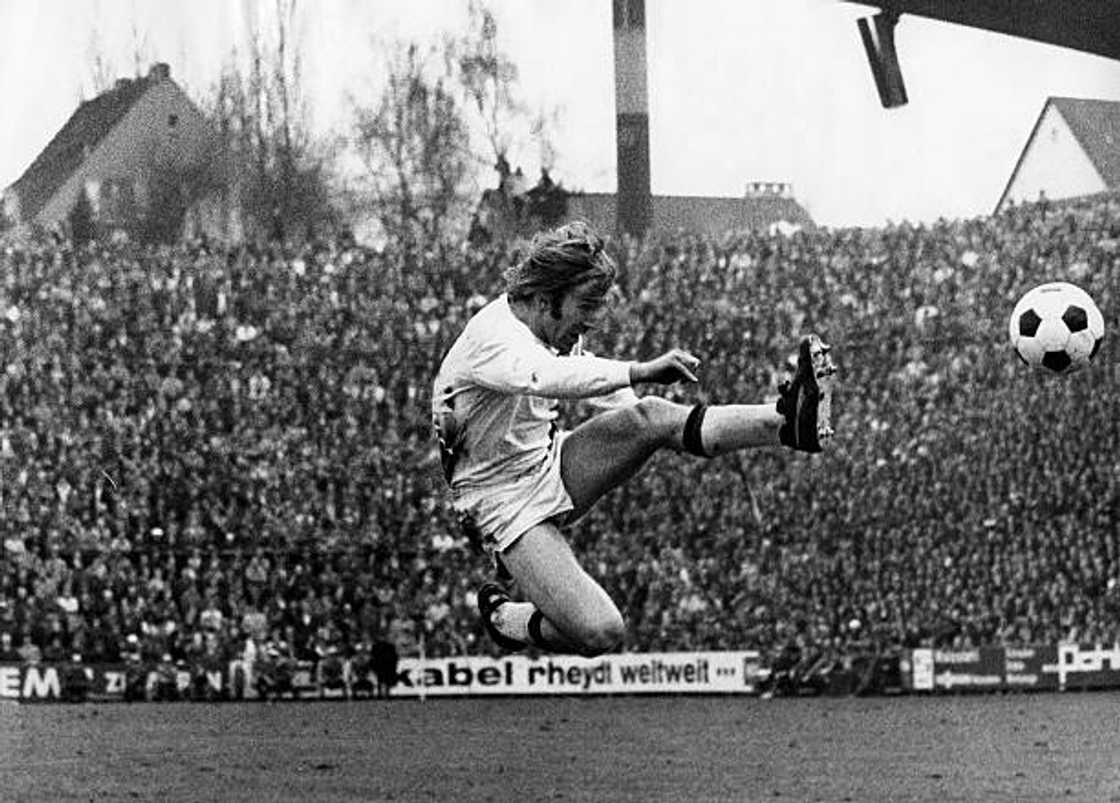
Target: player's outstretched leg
[[611, 448], [607, 450]]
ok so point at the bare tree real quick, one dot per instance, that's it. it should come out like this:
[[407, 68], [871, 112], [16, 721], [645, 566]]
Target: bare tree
[[489, 80], [541, 129], [80, 220], [102, 70], [415, 147], [172, 192], [280, 175], [141, 49], [284, 66], [489, 77]]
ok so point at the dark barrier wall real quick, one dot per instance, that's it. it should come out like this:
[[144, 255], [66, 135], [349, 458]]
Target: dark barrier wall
[[1066, 666]]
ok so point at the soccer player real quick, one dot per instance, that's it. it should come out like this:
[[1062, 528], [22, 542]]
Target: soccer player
[[516, 479]]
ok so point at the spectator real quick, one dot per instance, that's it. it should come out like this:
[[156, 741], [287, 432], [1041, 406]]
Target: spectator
[[383, 656], [8, 651], [28, 650]]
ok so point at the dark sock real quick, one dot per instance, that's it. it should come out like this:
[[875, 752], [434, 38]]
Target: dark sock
[[535, 634], [691, 440]]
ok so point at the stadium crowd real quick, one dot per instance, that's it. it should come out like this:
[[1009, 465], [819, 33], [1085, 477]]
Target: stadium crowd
[[208, 452]]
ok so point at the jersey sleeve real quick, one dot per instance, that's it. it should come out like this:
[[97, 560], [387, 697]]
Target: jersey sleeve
[[623, 397], [532, 370]]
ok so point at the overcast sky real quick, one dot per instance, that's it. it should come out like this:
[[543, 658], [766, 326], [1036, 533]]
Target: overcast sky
[[740, 90]]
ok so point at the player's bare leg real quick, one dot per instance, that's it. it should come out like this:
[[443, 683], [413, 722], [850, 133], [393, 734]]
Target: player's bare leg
[[569, 610], [611, 448]]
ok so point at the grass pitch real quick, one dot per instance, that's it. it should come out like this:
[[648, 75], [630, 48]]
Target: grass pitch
[[994, 748]]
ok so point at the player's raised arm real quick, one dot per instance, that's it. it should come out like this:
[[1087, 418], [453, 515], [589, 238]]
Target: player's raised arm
[[503, 366]]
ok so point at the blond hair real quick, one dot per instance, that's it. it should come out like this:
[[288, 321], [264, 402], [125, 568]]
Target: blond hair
[[558, 261]]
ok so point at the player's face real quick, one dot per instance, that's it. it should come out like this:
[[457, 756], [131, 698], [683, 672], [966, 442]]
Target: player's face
[[581, 311]]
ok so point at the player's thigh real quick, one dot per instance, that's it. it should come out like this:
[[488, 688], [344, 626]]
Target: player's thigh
[[607, 450], [550, 576]]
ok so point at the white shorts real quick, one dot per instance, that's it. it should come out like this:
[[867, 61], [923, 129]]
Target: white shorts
[[503, 513]]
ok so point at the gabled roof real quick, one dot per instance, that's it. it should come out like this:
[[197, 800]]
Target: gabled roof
[[1096, 124], [65, 152]]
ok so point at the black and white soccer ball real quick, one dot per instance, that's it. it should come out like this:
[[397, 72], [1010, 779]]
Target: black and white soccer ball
[[1056, 326]]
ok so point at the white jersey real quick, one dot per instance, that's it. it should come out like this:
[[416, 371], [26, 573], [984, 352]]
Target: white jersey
[[495, 398]]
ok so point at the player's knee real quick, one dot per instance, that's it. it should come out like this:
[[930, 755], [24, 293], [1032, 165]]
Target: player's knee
[[653, 409], [655, 416], [602, 635]]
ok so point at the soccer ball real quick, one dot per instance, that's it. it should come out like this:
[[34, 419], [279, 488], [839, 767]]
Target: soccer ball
[[1056, 326]]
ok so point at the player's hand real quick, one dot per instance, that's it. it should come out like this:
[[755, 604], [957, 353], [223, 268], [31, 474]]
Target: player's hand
[[676, 365]]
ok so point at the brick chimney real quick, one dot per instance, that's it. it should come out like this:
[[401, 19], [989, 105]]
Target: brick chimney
[[631, 100]]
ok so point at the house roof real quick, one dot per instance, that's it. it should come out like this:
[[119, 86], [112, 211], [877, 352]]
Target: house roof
[[1096, 124], [86, 127], [750, 212], [704, 213]]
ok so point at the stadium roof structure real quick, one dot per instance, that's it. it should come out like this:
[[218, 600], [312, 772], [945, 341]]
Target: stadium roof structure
[[87, 126], [1091, 26]]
